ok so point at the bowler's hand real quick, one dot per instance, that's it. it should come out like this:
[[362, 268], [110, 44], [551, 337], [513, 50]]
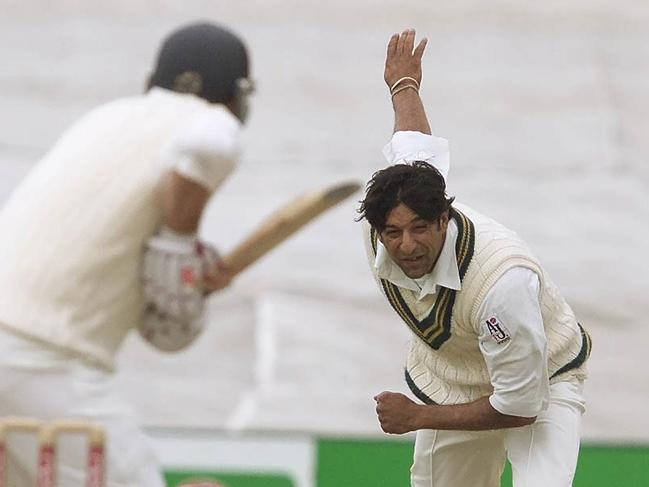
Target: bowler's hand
[[401, 60], [396, 412]]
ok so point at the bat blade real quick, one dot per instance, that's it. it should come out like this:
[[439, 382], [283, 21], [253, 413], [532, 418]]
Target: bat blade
[[284, 222]]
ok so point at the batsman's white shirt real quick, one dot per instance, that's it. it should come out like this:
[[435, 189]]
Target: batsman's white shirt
[[75, 228]]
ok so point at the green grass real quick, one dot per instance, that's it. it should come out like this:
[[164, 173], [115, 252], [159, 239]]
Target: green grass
[[363, 463], [229, 479], [387, 463], [376, 463], [613, 466]]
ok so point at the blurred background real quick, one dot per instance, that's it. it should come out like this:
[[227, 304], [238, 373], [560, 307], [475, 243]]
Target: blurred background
[[546, 107]]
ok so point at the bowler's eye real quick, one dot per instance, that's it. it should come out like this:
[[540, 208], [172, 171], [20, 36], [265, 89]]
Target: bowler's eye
[[421, 227]]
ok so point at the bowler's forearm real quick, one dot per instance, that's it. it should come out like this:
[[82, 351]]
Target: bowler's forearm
[[409, 112], [474, 416]]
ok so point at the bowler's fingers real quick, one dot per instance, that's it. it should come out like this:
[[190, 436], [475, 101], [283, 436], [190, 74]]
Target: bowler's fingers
[[404, 43], [401, 43], [392, 45], [419, 50], [381, 395], [409, 41]]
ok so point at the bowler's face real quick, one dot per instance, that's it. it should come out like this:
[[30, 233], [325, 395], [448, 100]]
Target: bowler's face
[[413, 243]]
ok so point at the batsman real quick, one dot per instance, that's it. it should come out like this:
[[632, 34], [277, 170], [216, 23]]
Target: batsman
[[497, 359], [113, 205]]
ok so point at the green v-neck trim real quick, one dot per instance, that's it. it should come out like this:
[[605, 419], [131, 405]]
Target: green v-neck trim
[[434, 329]]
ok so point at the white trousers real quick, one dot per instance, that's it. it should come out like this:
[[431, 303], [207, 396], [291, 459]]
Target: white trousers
[[38, 382], [543, 454]]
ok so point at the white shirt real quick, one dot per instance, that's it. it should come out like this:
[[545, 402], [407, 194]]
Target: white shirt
[[70, 268], [205, 150], [517, 368]]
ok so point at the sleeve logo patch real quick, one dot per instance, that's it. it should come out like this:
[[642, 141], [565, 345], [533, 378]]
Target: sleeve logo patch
[[498, 331]]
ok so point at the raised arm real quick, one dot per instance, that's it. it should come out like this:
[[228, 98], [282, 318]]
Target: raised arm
[[403, 76], [412, 139]]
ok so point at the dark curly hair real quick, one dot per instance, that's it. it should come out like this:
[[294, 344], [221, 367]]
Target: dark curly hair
[[417, 185]]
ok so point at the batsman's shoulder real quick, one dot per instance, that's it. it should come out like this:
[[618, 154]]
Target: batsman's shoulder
[[215, 132]]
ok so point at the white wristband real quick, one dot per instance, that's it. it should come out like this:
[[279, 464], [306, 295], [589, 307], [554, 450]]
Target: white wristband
[[405, 88], [405, 78]]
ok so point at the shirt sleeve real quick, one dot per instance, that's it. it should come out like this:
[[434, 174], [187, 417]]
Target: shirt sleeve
[[409, 146], [207, 150], [513, 343]]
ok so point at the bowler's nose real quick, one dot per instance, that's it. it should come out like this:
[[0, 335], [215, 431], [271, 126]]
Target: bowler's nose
[[408, 244]]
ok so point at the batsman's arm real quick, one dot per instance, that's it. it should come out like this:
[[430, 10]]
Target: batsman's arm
[[178, 270], [183, 202], [403, 76], [198, 160]]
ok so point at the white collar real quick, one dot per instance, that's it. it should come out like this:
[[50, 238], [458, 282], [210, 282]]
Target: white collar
[[445, 273]]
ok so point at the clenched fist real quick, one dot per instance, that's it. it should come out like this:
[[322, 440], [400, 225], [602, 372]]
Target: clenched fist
[[397, 413]]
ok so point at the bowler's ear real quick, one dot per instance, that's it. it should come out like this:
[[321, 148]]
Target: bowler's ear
[[443, 220]]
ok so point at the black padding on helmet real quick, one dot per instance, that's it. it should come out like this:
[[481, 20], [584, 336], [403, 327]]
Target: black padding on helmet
[[203, 59]]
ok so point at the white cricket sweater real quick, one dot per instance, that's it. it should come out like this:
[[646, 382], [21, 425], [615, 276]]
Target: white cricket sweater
[[445, 364]]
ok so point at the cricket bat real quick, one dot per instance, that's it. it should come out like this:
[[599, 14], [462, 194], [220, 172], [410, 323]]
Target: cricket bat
[[284, 222]]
